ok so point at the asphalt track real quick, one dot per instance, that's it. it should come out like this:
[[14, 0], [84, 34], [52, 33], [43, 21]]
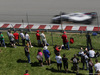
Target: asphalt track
[[41, 11]]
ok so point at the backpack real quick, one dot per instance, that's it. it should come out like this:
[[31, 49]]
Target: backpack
[[75, 60], [94, 34], [71, 40], [97, 54]]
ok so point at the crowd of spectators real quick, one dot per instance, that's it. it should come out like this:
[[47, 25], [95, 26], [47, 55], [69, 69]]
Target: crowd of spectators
[[86, 54]]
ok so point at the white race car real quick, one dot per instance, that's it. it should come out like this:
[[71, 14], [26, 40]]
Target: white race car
[[85, 18]]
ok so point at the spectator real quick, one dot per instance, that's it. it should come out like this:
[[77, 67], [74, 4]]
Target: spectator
[[83, 60], [27, 37], [16, 37], [26, 72], [27, 53], [75, 62], [22, 37], [86, 61], [40, 57], [38, 38], [91, 53], [8, 33], [43, 37], [81, 52], [46, 54], [88, 40], [65, 63], [59, 61], [2, 40], [27, 44], [87, 52], [65, 40], [57, 49], [97, 67], [90, 67], [12, 41]]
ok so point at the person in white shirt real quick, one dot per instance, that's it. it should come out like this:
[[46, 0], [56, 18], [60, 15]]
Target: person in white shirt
[[59, 61], [97, 67], [27, 37], [43, 37], [22, 37], [12, 40], [86, 61], [8, 33], [91, 53], [81, 52]]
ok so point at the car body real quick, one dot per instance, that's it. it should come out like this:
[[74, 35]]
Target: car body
[[78, 17]]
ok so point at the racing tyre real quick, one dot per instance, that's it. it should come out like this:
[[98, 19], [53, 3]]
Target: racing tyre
[[56, 22], [88, 22]]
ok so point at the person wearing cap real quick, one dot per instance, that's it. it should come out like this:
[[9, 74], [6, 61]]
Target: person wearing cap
[[16, 37], [46, 54], [2, 40], [38, 37], [43, 37], [75, 62], [65, 40], [22, 37]]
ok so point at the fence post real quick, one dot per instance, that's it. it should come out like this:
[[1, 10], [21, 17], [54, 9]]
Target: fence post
[[23, 23], [61, 21], [97, 21], [51, 35], [28, 22]]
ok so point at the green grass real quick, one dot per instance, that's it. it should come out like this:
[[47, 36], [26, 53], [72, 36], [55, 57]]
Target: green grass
[[9, 57]]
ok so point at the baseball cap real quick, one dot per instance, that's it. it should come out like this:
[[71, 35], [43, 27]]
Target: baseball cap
[[45, 47], [37, 31], [64, 32]]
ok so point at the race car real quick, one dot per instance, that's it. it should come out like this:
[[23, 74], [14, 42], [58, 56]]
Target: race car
[[84, 18]]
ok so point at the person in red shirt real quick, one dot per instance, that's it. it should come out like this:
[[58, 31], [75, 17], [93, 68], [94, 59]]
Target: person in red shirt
[[57, 49], [16, 37], [38, 37], [26, 72], [65, 40]]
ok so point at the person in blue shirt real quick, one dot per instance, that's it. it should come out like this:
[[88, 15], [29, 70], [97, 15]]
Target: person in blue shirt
[[46, 54]]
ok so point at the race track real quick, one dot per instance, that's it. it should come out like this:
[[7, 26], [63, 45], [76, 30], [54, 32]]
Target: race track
[[41, 11]]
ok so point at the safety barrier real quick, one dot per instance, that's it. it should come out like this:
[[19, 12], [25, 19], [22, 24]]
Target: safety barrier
[[69, 27]]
